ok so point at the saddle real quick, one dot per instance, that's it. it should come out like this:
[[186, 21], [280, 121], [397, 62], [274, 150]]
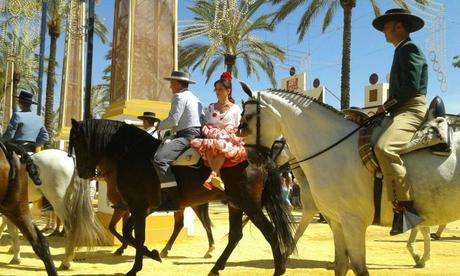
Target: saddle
[[436, 132]]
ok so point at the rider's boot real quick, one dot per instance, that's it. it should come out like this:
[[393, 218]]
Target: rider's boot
[[169, 199], [405, 217]]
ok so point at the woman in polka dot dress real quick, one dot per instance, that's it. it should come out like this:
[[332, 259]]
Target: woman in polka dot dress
[[221, 147]]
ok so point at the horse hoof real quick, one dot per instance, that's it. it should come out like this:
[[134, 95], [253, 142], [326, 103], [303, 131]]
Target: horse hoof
[[155, 255], [118, 252], [212, 273], [279, 273], [131, 273], [64, 267], [416, 258], [164, 253], [15, 261], [419, 265], [207, 256], [330, 265]]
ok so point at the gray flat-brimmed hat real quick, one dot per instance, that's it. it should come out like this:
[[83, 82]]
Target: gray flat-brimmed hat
[[26, 96], [149, 115], [180, 76], [414, 22]]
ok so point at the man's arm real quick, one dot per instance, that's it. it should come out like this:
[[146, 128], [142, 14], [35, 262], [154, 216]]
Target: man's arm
[[177, 108], [42, 137], [11, 129]]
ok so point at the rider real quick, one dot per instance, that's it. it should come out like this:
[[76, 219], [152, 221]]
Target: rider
[[150, 123], [185, 119], [406, 106], [25, 127]]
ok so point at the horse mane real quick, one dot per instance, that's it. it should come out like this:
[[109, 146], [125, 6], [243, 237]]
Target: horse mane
[[98, 132], [303, 100], [117, 138]]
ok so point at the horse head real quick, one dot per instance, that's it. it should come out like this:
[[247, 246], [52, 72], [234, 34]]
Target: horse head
[[86, 162], [258, 140]]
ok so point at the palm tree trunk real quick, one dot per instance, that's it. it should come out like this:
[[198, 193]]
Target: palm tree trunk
[[51, 76], [347, 6], [229, 61]]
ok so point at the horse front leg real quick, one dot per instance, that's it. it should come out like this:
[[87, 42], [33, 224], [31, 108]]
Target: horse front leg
[[341, 258], [178, 225], [36, 239], [202, 211], [309, 209], [354, 232], [234, 236], [264, 225]]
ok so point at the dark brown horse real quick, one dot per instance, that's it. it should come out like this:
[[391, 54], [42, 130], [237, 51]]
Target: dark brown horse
[[129, 150], [107, 170], [14, 203], [121, 212]]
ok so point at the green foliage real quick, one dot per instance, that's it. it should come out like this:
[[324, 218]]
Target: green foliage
[[230, 31]]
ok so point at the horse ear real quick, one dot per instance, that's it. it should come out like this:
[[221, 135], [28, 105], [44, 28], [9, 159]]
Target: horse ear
[[74, 123], [246, 88]]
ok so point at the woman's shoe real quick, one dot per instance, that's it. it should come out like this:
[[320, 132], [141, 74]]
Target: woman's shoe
[[208, 185], [218, 183]]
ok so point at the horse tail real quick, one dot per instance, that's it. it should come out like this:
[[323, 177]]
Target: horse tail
[[31, 168], [277, 211], [203, 211], [81, 224]]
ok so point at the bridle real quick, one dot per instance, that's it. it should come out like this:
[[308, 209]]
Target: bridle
[[264, 151]]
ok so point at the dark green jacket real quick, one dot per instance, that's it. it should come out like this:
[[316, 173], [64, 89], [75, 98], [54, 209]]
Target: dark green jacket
[[409, 72]]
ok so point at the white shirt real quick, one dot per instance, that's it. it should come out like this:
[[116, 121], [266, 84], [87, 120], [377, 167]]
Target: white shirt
[[230, 117], [153, 132], [186, 111]]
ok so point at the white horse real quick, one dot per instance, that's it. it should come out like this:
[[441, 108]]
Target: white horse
[[341, 186], [70, 197], [309, 209]]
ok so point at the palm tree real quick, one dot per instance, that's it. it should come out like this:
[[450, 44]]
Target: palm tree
[[230, 35], [315, 7], [58, 12]]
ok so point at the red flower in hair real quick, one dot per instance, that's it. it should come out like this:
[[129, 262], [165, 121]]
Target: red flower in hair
[[226, 76]]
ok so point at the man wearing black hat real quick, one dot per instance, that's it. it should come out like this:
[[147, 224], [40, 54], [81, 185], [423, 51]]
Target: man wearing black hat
[[150, 123], [406, 106], [25, 127], [185, 120]]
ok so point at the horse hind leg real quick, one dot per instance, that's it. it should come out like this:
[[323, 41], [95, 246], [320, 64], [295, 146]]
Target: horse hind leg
[[410, 245], [178, 225], [426, 247], [117, 215], [15, 244], [35, 238], [202, 211]]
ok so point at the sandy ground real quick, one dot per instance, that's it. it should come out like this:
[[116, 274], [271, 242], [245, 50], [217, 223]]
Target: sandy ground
[[385, 255]]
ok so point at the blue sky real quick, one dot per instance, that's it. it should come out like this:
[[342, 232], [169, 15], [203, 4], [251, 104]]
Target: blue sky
[[320, 53]]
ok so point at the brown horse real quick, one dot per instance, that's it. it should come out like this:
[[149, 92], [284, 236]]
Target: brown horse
[[129, 150], [14, 203]]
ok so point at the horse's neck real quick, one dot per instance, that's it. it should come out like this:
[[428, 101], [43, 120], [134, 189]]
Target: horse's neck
[[314, 129]]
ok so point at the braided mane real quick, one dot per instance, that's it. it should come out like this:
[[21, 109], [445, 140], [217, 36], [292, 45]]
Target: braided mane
[[302, 100]]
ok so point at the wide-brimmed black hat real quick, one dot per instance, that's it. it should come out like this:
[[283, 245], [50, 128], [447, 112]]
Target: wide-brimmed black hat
[[180, 76], [414, 22], [149, 115], [26, 96]]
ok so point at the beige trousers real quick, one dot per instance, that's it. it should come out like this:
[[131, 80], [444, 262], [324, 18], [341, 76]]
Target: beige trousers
[[404, 121]]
